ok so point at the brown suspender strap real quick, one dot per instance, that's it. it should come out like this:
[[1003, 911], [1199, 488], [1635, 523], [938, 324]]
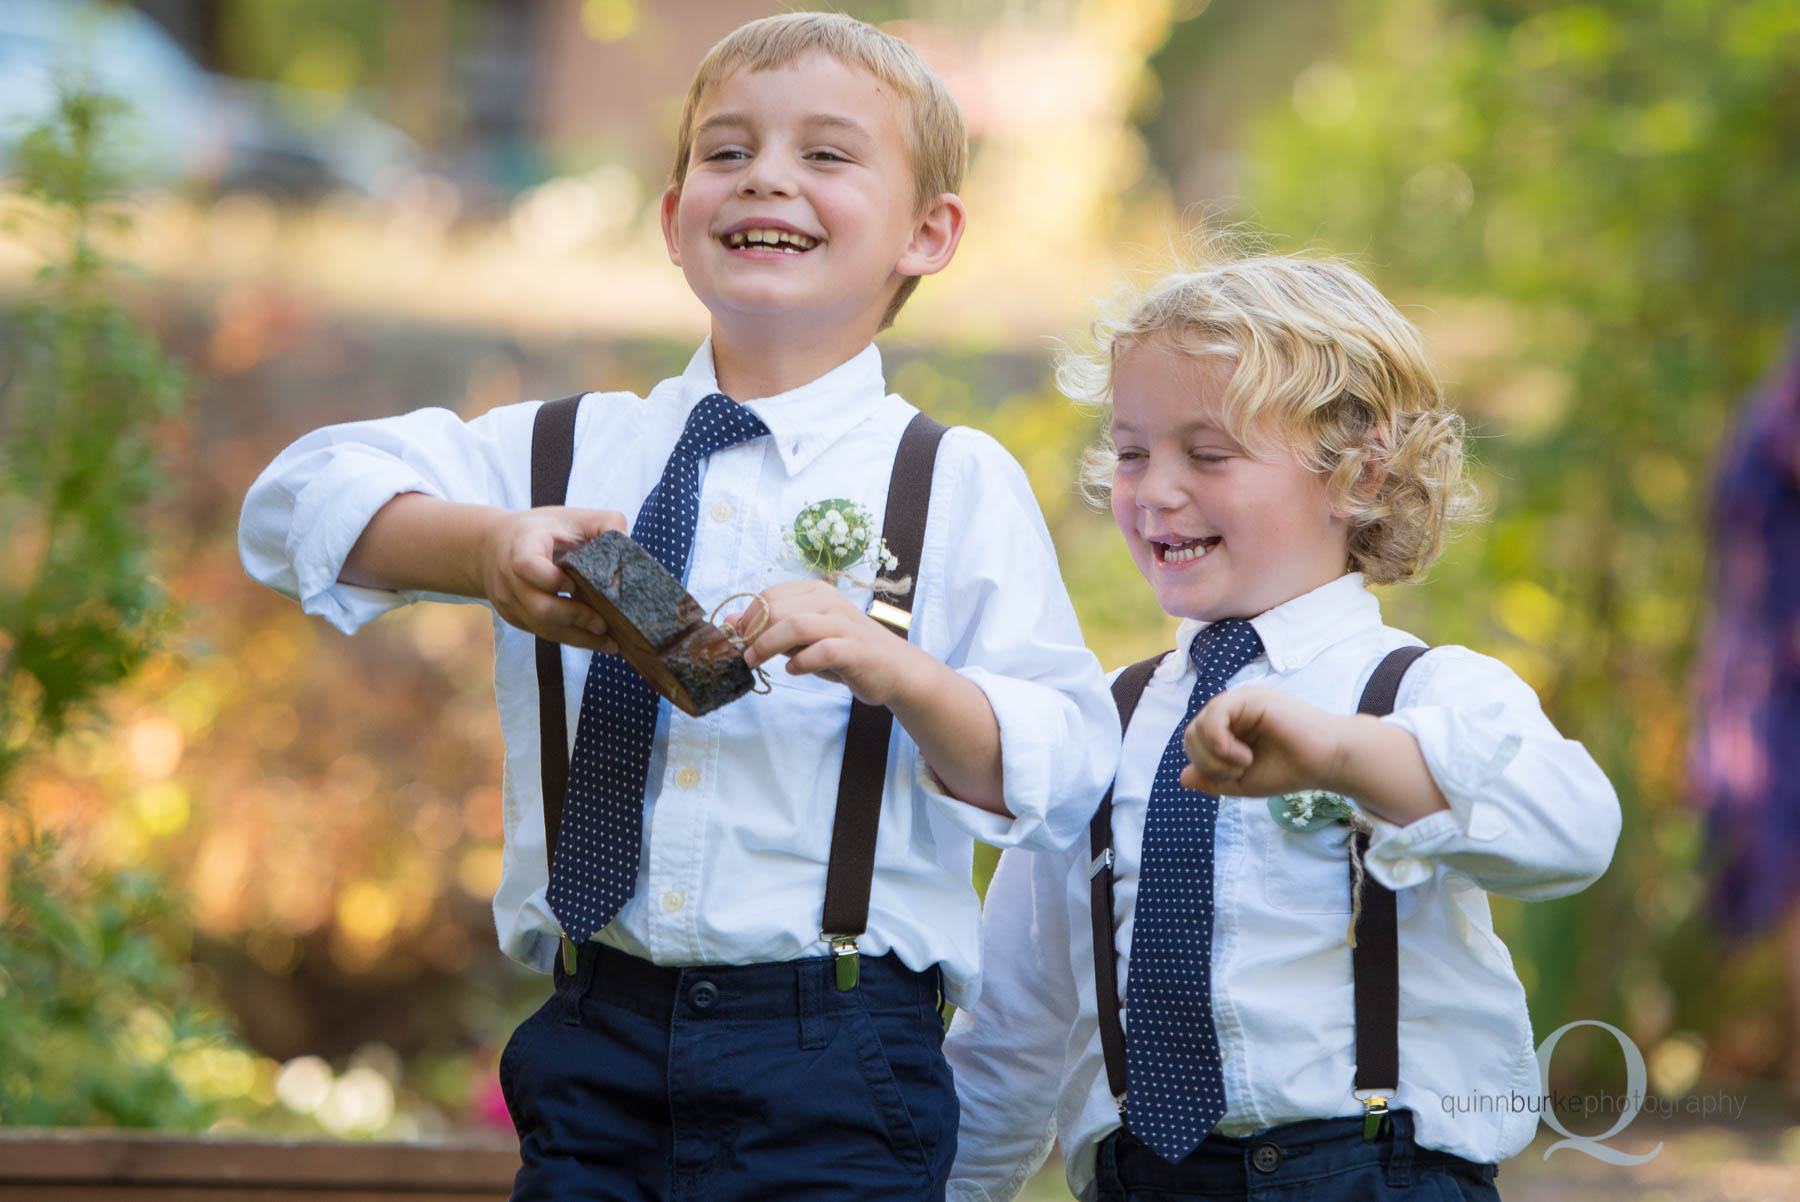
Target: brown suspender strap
[[851, 870], [1375, 960], [1127, 687], [852, 866], [1374, 963], [552, 454]]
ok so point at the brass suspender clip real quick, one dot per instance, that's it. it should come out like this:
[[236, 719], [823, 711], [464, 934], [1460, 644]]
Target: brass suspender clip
[[568, 951], [1375, 1112], [892, 616], [844, 961]]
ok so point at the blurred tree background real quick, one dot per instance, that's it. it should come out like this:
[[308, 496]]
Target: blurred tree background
[[1587, 207], [99, 1021]]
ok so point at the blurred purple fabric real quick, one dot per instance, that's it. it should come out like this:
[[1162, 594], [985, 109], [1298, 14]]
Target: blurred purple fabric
[[1744, 764]]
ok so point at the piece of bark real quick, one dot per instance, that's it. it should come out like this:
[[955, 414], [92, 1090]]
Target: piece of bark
[[660, 629]]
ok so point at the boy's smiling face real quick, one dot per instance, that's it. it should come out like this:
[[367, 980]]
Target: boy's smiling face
[[1218, 532], [798, 217]]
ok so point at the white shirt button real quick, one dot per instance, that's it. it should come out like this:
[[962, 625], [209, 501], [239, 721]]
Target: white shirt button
[[722, 512], [673, 900], [687, 778]]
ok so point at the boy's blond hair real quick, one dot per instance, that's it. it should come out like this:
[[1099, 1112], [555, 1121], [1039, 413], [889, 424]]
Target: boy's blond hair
[[935, 137], [1324, 364]]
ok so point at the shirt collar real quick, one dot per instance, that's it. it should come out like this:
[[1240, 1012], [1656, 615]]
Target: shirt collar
[[1295, 632], [804, 420]]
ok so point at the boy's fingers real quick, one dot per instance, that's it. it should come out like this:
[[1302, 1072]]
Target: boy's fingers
[[555, 615], [595, 522], [1232, 752], [1215, 770], [1212, 731], [573, 527], [800, 593], [1197, 781], [540, 573], [1202, 736], [574, 636], [752, 615], [816, 659], [783, 636]]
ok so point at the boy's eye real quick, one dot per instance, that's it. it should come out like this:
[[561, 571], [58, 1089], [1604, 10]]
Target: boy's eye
[[725, 154], [1209, 456], [828, 156]]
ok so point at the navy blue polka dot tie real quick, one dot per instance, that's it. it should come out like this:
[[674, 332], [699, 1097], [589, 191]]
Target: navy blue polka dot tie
[[1174, 1087], [596, 866]]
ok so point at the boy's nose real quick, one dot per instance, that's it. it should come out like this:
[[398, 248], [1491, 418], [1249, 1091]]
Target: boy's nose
[[1158, 489], [765, 177]]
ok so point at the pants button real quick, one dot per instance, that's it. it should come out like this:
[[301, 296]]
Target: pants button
[[1266, 1158], [703, 995]]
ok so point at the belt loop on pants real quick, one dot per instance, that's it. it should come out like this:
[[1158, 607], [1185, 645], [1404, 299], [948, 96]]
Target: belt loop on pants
[[1397, 1157], [809, 983], [576, 987]]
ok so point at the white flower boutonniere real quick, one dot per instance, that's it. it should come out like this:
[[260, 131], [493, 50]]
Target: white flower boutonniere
[[832, 537], [1310, 810], [1314, 809]]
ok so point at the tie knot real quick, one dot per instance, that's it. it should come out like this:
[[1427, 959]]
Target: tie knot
[[1219, 651], [717, 422]]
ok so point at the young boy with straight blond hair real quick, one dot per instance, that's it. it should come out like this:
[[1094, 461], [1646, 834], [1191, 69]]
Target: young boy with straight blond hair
[[1297, 986], [716, 1032]]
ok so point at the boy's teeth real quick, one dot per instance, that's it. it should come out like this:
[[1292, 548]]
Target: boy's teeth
[[1185, 552], [782, 240]]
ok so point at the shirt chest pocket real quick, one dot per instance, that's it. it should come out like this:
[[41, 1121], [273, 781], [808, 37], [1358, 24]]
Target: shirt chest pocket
[[1307, 873]]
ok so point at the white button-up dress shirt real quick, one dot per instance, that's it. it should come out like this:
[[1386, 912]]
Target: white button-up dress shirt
[[739, 803], [1531, 816]]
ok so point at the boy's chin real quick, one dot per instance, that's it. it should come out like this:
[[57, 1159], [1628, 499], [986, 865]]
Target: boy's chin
[[1201, 605], [1179, 603]]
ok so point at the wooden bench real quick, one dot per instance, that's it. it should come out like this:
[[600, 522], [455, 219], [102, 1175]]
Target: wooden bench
[[79, 1165]]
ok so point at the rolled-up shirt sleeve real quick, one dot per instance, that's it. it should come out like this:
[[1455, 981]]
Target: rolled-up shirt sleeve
[[1008, 626], [306, 510], [1007, 1052], [1531, 814]]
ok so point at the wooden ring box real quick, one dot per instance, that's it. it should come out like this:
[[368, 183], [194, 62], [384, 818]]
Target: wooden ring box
[[660, 629]]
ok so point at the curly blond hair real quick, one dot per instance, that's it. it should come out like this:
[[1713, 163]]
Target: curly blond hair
[[1323, 365]]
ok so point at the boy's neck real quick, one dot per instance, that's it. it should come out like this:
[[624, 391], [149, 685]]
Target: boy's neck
[[1303, 592], [768, 364]]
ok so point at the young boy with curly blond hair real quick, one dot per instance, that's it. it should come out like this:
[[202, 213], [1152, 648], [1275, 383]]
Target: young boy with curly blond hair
[[1294, 925], [758, 909]]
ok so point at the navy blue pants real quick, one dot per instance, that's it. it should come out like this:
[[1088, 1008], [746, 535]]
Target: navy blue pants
[[1320, 1160], [726, 1083]]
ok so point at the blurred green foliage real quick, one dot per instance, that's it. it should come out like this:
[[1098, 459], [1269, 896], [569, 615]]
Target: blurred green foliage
[[84, 395], [1593, 205], [99, 1022]]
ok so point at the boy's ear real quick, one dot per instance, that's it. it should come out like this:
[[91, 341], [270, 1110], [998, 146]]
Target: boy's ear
[[935, 237], [1372, 476], [671, 203]]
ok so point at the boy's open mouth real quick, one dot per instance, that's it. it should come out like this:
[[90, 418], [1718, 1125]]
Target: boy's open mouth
[[1184, 552], [785, 241]]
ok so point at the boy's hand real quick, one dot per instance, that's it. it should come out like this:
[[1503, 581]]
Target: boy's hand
[[1259, 742], [948, 715], [823, 634], [523, 583]]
